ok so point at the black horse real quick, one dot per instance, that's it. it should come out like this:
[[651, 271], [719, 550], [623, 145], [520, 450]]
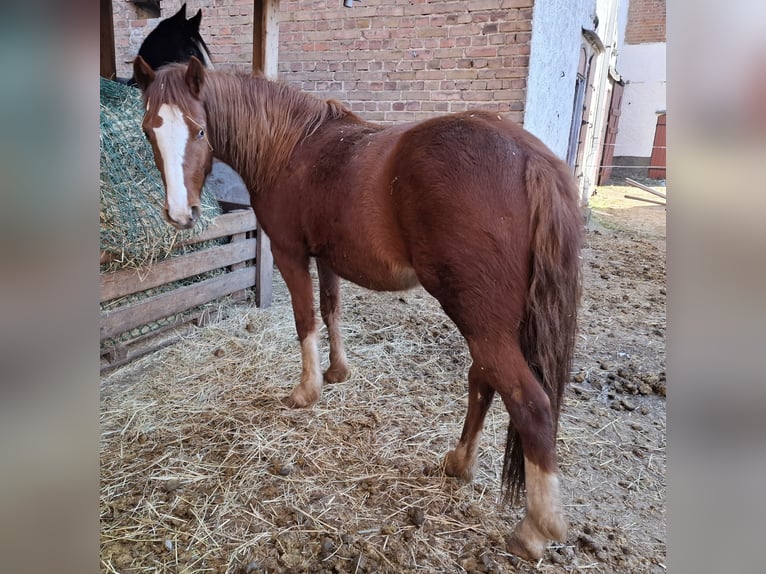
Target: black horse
[[175, 39]]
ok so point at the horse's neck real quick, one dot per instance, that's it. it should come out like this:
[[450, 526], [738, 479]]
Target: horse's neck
[[246, 136]]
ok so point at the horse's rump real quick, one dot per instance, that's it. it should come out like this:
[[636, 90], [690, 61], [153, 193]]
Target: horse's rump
[[462, 207]]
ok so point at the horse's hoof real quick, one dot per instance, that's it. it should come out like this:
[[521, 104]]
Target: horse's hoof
[[519, 548], [299, 400], [455, 466], [337, 375], [526, 542], [554, 528]]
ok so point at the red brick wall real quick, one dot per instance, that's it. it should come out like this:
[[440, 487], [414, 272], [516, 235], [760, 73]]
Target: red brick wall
[[646, 22], [390, 60], [408, 59]]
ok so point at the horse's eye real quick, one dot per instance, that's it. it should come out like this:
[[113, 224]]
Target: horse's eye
[[201, 134]]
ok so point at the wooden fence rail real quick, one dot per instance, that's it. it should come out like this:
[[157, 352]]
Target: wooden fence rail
[[238, 260]]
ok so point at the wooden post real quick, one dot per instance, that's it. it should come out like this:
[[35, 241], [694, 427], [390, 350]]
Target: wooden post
[[238, 238], [265, 52], [266, 37], [108, 64]]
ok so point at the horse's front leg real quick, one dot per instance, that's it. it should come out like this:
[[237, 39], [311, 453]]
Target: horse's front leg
[[295, 272], [329, 304]]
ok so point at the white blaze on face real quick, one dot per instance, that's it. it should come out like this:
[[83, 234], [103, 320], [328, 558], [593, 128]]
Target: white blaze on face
[[171, 140]]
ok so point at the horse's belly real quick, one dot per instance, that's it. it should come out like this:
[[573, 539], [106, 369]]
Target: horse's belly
[[385, 277]]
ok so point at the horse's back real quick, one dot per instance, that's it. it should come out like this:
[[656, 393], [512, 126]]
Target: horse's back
[[477, 157]]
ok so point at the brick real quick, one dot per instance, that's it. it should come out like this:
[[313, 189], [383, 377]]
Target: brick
[[445, 96], [481, 51], [515, 26], [516, 3], [477, 96], [429, 75], [474, 5], [435, 106]]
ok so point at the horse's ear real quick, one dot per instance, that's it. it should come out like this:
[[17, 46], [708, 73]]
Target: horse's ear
[[195, 76], [143, 73], [181, 13], [195, 20]]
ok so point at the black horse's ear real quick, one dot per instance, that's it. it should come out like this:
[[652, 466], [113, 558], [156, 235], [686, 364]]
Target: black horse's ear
[[143, 73], [195, 76], [181, 13], [195, 20]]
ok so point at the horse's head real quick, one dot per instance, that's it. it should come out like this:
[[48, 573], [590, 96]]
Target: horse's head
[[175, 39], [175, 123]]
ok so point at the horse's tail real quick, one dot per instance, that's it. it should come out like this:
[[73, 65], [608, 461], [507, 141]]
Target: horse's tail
[[548, 326]]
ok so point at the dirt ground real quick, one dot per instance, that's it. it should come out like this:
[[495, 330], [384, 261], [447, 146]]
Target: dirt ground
[[204, 470]]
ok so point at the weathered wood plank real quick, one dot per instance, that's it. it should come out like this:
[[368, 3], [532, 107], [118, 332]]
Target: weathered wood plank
[[108, 66], [118, 321], [129, 281], [226, 224], [264, 265], [240, 295], [129, 355], [266, 37]]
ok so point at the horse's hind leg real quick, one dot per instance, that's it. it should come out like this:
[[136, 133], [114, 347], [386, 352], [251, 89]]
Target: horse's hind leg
[[499, 365], [530, 411], [329, 304], [295, 272], [461, 461]]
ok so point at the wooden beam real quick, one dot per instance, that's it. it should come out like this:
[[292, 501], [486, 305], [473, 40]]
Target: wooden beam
[[108, 63], [271, 38], [226, 224], [264, 269], [265, 60], [258, 35], [129, 281], [266, 37]]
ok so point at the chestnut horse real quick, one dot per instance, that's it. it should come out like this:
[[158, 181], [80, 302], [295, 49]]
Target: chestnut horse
[[470, 206]]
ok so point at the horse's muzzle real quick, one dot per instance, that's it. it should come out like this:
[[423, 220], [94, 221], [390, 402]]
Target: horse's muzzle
[[185, 221]]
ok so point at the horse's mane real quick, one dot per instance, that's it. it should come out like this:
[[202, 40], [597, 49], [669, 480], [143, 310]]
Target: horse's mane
[[278, 116]]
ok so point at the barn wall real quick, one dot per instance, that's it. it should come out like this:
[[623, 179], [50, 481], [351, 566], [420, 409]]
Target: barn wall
[[389, 60], [408, 59]]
